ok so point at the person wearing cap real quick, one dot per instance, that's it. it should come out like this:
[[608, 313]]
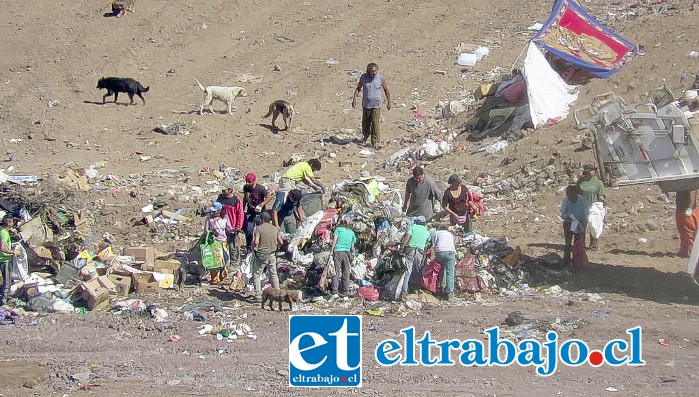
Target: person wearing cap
[[342, 245], [265, 242], [444, 249], [371, 182], [413, 247], [574, 208], [303, 172], [255, 200], [459, 203], [288, 215], [420, 193], [592, 189], [6, 255], [686, 220], [218, 224]]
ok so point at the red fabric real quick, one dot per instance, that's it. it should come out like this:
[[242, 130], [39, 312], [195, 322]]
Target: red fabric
[[369, 292], [572, 21], [475, 204], [687, 228], [579, 254], [515, 91], [430, 278], [465, 275], [235, 214]]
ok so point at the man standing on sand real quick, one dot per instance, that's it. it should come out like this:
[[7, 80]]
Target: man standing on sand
[[371, 84], [686, 220], [420, 193]]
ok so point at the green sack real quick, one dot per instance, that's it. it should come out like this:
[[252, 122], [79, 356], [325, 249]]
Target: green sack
[[211, 252]]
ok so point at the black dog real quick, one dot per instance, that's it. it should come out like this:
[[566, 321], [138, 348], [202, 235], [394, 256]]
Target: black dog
[[115, 85], [189, 267]]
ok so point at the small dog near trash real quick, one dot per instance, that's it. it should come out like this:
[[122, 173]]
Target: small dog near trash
[[223, 94], [188, 267], [119, 7], [115, 85], [272, 295], [284, 108]]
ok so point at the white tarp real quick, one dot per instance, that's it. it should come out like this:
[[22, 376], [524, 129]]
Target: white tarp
[[549, 96]]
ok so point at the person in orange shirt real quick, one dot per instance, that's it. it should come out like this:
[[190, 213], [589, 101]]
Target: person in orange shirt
[[686, 220]]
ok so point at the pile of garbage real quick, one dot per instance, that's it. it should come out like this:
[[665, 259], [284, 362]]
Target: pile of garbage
[[484, 264]]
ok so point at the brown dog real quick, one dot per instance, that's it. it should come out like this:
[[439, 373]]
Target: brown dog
[[281, 107], [119, 7], [272, 295]]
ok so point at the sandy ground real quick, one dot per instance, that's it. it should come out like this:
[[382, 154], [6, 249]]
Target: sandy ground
[[56, 53]]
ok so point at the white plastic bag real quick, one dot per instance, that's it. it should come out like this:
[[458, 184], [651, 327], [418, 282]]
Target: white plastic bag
[[246, 266], [595, 218], [20, 265]]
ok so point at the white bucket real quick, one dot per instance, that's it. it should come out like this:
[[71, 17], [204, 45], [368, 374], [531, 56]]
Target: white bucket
[[482, 52], [690, 95], [466, 59]]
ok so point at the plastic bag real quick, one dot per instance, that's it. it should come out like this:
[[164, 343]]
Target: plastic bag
[[211, 252], [430, 278], [595, 218], [465, 275], [392, 289], [369, 293], [246, 266]]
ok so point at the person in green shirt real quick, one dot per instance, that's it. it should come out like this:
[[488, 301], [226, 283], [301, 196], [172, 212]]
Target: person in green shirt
[[6, 255], [371, 182], [303, 172], [343, 244], [413, 245], [593, 191]]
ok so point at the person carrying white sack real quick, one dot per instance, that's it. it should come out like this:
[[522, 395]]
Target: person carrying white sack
[[592, 189]]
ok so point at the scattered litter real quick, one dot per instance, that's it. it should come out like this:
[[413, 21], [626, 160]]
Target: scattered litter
[[664, 342]]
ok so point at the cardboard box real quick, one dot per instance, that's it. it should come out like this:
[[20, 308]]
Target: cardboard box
[[145, 254], [145, 282], [170, 266], [122, 282], [95, 294], [108, 284]]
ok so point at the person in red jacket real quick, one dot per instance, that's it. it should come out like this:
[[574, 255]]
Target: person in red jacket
[[233, 210]]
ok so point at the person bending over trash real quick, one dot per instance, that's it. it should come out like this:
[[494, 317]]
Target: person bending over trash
[[444, 248], [303, 172], [413, 247], [342, 249], [288, 215]]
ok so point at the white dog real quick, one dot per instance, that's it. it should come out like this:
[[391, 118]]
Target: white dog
[[224, 94]]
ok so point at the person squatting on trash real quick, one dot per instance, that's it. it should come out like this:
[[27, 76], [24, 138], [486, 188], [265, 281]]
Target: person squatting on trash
[[370, 85], [444, 248], [413, 246], [6, 256], [342, 249], [686, 220], [220, 226], [303, 172], [255, 200], [592, 189], [265, 241], [574, 211], [290, 213], [420, 193]]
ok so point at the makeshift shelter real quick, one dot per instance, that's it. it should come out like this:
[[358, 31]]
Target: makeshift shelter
[[573, 35], [570, 46]]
